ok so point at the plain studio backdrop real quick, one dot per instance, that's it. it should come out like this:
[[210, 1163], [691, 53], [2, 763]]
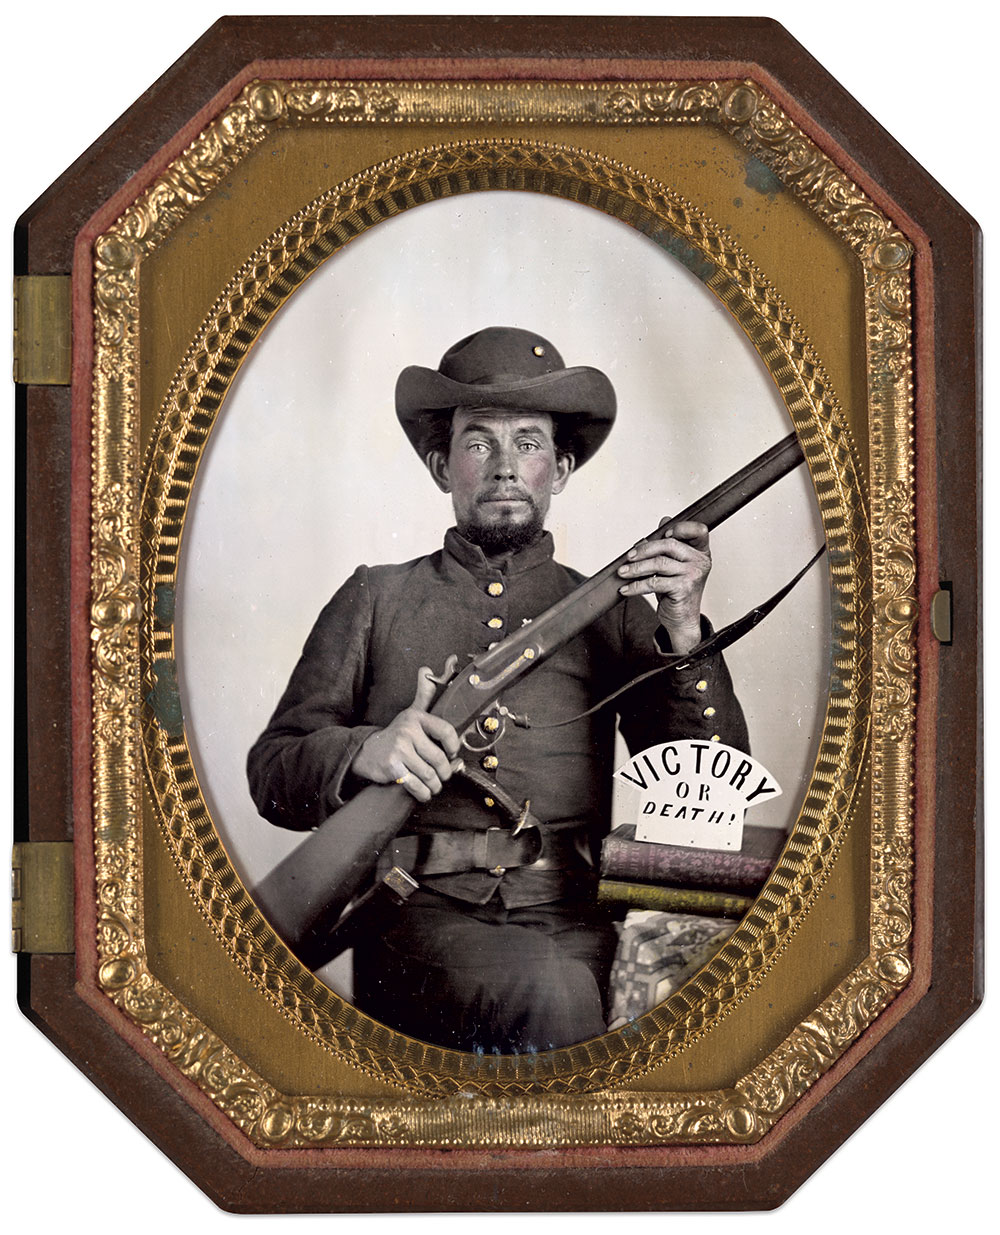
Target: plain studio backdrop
[[307, 472]]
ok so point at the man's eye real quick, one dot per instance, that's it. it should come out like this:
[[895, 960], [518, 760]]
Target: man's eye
[[530, 446], [478, 446]]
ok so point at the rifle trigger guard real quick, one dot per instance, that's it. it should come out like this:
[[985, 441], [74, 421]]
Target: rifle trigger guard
[[490, 739]]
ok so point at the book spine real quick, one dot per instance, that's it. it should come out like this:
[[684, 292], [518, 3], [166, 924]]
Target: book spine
[[643, 862], [673, 900]]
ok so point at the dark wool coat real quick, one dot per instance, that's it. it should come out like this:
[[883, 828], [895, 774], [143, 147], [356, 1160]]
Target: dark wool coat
[[359, 669]]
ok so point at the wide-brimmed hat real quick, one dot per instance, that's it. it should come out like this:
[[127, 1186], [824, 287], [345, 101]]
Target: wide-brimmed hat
[[507, 369]]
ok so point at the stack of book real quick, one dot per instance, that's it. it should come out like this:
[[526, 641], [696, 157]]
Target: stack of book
[[685, 879]]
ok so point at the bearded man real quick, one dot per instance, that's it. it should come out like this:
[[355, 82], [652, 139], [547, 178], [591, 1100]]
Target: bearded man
[[503, 949]]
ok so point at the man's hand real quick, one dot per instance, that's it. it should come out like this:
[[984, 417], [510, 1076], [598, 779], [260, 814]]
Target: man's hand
[[416, 750], [674, 568]]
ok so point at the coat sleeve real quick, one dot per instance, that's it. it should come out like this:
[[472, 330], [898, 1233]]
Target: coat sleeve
[[698, 702], [299, 768]]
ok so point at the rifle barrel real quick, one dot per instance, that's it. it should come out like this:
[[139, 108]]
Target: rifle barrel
[[749, 482]]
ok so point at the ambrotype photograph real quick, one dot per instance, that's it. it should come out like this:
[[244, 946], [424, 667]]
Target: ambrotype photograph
[[464, 415], [346, 746]]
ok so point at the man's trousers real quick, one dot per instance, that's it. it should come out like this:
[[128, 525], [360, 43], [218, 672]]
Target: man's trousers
[[487, 979]]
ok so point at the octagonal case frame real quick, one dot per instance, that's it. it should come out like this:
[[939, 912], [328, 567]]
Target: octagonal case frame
[[656, 1165]]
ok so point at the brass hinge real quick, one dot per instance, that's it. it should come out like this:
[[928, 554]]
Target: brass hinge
[[42, 897], [43, 350]]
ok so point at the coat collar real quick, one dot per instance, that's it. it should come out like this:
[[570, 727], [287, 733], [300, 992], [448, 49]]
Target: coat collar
[[472, 558]]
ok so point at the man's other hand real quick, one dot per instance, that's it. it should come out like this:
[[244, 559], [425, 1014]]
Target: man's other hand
[[674, 567], [416, 750]]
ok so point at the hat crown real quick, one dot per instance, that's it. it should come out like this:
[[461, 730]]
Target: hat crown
[[500, 354], [505, 369]]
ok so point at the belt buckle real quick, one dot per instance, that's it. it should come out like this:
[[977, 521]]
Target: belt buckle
[[528, 841], [501, 850], [482, 859], [493, 832]]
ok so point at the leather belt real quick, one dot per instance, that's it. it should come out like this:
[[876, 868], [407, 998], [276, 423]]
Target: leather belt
[[495, 850]]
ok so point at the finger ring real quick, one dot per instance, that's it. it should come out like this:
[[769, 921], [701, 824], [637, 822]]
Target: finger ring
[[401, 779]]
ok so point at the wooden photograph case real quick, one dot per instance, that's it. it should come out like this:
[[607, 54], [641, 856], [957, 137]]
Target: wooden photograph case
[[289, 222]]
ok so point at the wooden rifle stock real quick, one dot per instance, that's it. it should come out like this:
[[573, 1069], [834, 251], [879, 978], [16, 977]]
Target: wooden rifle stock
[[306, 893]]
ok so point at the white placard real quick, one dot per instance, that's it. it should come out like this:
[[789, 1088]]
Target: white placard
[[695, 793]]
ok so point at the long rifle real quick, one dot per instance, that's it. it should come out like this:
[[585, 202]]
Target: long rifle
[[306, 893]]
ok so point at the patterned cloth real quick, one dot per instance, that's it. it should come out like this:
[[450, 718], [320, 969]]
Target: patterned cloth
[[657, 953]]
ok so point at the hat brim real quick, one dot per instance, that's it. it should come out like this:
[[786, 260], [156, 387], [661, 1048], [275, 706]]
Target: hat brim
[[582, 398]]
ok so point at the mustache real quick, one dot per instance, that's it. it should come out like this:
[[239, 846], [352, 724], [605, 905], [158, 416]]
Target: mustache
[[502, 494]]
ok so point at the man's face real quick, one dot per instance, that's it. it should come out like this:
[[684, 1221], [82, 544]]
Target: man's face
[[501, 471]]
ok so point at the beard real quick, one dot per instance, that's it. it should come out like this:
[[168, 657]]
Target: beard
[[503, 533]]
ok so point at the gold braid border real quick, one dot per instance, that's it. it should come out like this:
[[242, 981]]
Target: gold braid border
[[742, 1114]]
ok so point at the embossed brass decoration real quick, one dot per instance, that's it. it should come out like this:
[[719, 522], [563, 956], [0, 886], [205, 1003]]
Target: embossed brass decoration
[[865, 491]]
